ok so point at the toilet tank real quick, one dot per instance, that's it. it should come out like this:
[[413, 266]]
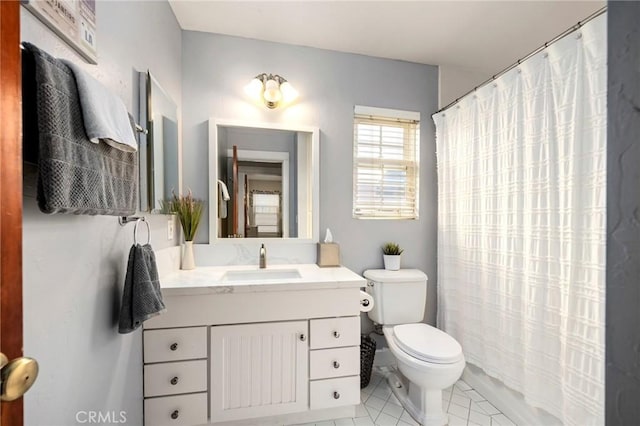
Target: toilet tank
[[399, 297]]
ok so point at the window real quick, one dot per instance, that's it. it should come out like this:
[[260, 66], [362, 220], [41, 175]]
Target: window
[[266, 210], [385, 163]]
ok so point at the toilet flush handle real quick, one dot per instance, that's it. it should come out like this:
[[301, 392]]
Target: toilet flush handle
[[336, 334]]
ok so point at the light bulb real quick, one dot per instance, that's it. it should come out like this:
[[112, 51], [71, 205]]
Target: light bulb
[[288, 92], [272, 92], [254, 88]]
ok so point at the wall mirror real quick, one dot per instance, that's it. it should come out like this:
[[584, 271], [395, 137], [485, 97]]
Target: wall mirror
[[159, 170], [263, 181]]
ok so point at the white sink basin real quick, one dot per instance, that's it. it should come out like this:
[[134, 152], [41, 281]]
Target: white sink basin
[[261, 275]]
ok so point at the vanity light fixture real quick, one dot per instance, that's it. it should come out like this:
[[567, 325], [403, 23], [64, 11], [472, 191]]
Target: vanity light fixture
[[272, 89]]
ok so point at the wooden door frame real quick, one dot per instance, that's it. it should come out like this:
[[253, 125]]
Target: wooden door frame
[[11, 414]]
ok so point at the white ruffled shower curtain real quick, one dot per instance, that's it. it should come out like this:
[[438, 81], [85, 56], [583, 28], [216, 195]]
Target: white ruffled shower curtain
[[521, 226]]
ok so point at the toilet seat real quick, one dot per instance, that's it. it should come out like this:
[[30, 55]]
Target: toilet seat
[[427, 343]]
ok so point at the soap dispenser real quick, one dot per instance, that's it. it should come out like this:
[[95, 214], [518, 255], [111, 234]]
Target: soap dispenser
[[263, 257]]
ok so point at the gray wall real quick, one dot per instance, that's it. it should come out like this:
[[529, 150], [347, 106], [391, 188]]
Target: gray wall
[[623, 223], [215, 70], [74, 265]]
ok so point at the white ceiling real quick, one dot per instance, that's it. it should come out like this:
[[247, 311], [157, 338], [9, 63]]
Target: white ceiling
[[481, 35]]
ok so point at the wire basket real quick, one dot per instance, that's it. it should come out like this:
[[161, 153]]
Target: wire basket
[[367, 353]]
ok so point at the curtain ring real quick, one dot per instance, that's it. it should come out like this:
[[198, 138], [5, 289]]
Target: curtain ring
[[135, 230]]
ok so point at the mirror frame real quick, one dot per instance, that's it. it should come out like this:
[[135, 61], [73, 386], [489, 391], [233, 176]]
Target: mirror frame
[[214, 125], [146, 158]]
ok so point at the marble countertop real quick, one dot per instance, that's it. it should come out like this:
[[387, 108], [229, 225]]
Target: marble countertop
[[211, 279]]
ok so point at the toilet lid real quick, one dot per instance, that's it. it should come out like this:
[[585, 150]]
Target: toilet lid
[[428, 343]]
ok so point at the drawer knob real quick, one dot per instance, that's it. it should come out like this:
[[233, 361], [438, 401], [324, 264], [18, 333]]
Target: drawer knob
[[175, 414], [336, 395], [174, 381], [336, 364], [174, 346], [336, 334], [303, 337]]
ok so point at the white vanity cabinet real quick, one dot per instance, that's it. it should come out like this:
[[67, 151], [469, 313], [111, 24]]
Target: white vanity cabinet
[[175, 376], [335, 362], [286, 352], [259, 370]]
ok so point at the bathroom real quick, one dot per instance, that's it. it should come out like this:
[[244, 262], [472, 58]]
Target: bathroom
[[74, 266]]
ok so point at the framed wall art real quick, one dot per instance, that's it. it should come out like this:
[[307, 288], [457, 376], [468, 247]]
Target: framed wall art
[[73, 20]]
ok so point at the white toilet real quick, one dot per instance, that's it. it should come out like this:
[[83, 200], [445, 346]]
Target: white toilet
[[429, 359]]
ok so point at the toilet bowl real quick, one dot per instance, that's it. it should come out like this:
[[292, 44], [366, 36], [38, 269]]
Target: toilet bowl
[[428, 371], [428, 358]]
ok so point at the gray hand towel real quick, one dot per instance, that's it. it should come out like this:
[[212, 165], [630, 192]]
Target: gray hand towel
[[141, 297]]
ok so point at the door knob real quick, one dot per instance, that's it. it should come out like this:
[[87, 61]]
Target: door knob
[[3, 360], [16, 376]]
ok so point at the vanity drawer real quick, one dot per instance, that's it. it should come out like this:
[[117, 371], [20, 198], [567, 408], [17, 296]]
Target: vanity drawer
[[334, 392], [327, 363], [175, 344], [181, 410], [334, 332], [175, 377]]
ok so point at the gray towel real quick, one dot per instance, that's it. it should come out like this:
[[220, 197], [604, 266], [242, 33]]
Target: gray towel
[[141, 297], [105, 116], [74, 175]]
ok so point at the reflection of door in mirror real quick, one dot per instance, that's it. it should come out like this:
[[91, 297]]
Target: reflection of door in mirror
[[259, 188], [264, 205], [274, 192], [159, 167], [263, 183]]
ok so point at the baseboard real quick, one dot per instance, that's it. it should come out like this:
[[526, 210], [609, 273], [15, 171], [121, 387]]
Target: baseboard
[[505, 399]]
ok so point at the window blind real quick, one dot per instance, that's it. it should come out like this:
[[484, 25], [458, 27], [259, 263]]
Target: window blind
[[386, 167]]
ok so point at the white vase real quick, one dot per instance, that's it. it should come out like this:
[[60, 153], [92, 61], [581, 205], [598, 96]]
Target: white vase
[[391, 262], [187, 256]]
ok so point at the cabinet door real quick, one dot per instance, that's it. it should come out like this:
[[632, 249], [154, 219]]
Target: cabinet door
[[259, 370]]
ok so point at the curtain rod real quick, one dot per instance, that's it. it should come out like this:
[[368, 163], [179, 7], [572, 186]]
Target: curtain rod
[[519, 61]]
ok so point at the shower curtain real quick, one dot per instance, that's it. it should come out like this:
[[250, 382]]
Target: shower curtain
[[521, 226]]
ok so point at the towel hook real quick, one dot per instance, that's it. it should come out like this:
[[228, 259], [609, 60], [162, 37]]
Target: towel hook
[[135, 230], [123, 220]]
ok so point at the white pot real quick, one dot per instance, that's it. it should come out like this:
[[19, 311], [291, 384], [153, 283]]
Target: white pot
[[391, 262], [187, 256]]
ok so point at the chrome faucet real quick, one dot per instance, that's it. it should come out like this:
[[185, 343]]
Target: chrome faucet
[[263, 257]]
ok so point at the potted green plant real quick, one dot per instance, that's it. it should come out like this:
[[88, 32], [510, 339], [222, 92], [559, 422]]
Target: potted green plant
[[391, 255], [189, 212]]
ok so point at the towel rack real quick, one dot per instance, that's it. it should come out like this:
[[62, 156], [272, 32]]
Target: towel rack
[[123, 220], [135, 231], [139, 129]]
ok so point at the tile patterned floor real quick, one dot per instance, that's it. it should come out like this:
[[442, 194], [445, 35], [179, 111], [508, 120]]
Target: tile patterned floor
[[379, 407]]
